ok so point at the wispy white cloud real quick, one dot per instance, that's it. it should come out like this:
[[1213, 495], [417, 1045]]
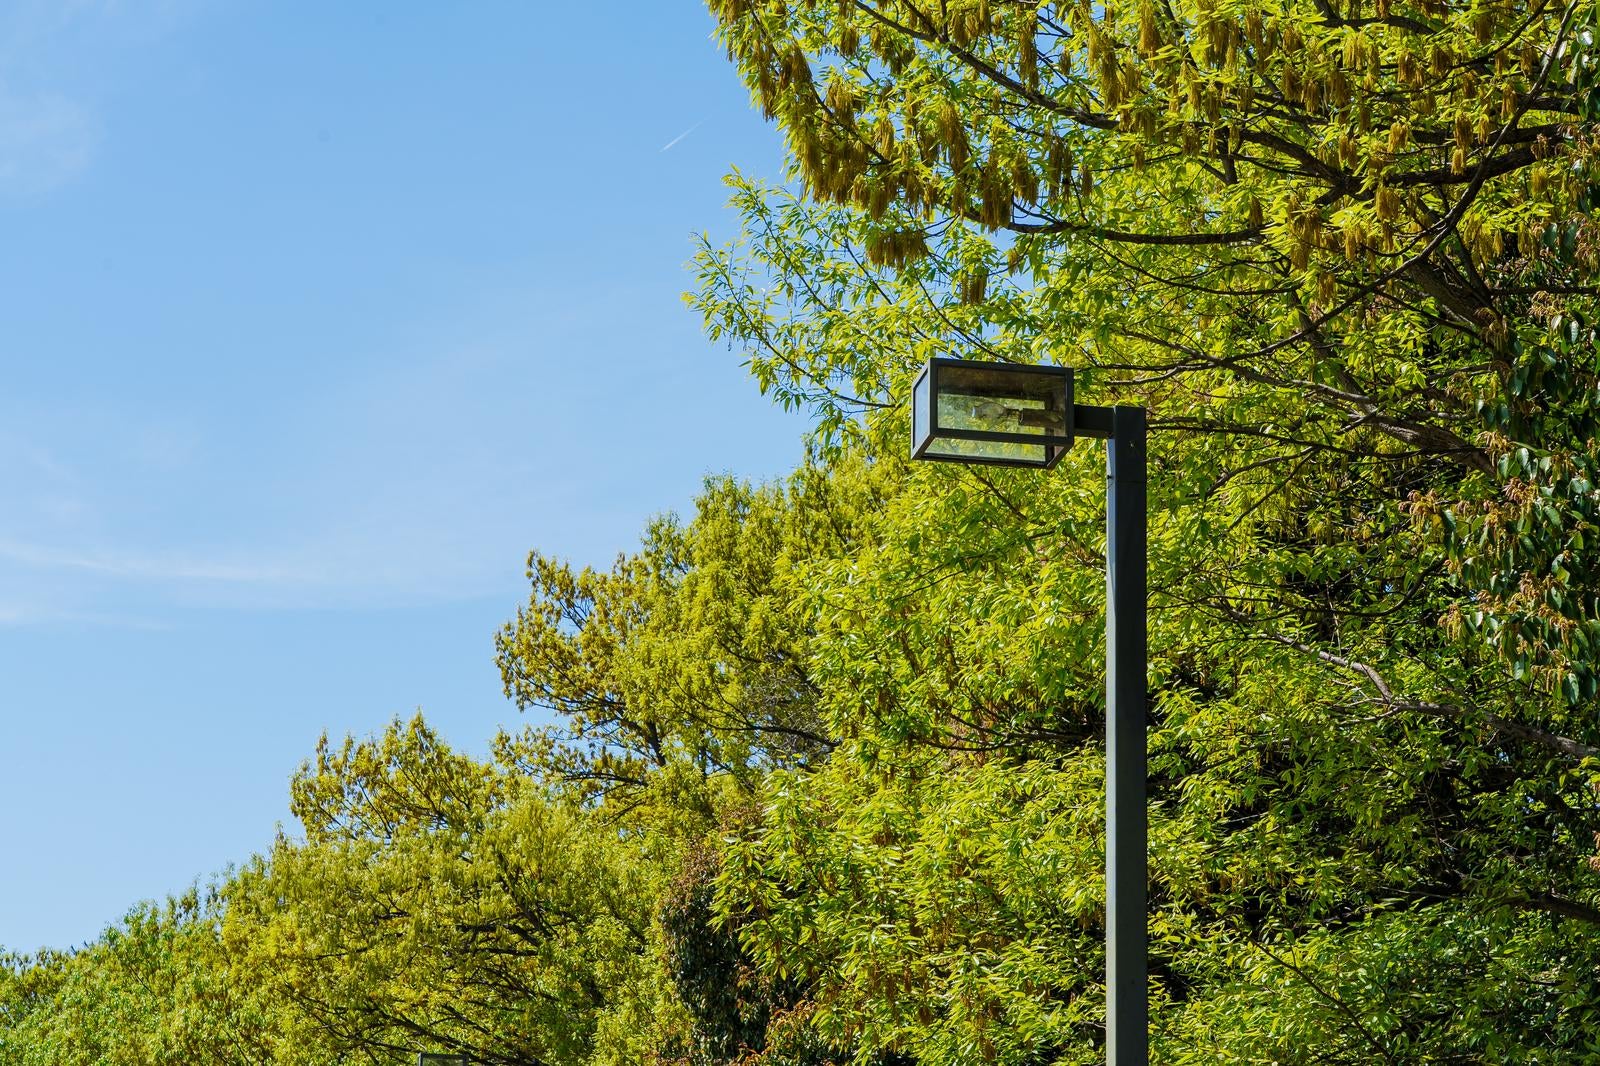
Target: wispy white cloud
[[49, 51], [31, 31], [674, 142], [46, 140], [18, 615], [142, 567], [389, 483]]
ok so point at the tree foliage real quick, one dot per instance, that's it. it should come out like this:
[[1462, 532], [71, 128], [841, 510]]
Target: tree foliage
[[157, 989], [818, 776], [1343, 255], [435, 903], [682, 668]]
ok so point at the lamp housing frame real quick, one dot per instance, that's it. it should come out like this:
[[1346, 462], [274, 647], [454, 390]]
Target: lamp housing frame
[[930, 384]]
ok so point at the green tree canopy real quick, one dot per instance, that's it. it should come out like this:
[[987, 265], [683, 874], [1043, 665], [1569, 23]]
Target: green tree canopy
[[437, 903], [682, 672], [157, 989], [1343, 255]]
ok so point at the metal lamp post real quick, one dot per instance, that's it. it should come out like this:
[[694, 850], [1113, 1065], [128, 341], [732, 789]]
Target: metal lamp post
[[967, 411]]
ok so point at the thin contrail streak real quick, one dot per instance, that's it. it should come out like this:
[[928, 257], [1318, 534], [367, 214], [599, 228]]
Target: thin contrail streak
[[682, 135]]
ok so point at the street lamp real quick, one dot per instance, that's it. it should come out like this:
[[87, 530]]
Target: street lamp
[[967, 411], [970, 412]]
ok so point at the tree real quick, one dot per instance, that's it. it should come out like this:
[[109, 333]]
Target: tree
[[437, 903], [1344, 257], [1315, 225], [680, 675], [156, 989]]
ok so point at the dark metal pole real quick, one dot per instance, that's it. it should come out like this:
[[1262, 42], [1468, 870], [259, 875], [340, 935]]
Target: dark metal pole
[[1127, 1010]]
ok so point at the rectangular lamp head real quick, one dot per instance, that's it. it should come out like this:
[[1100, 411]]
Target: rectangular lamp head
[[1003, 414]]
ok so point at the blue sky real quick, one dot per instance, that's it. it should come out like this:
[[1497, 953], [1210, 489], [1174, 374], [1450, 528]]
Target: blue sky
[[316, 318]]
